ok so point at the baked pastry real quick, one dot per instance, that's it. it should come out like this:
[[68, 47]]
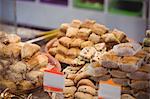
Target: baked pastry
[[140, 85], [110, 60], [69, 91], [99, 29], [110, 38], [69, 82], [73, 52], [119, 35], [142, 95], [84, 33], [62, 49], [86, 82], [86, 44], [87, 89], [87, 52], [76, 42], [97, 57], [118, 73], [60, 57], [127, 96], [146, 42], [82, 95], [145, 68], [103, 78], [28, 50], [126, 90], [18, 67], [72, 32], [13, 38], [65, 41], [64, 27], [75, 23], [94, 38], [25, 85], [88, 23], [8, 84], [130, 64], [71, 76], [122, 82], [138, 75], [100, 47], [81, 76], [53, 51]]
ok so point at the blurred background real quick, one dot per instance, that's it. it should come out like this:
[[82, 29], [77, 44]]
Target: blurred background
[[22, 16]]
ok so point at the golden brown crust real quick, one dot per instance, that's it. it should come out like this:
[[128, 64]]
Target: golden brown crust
[[86, 82]]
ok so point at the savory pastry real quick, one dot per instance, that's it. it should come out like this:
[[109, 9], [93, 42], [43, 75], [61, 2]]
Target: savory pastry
[[1, 68], [69, 91], [146, 42], [110, 38], [86, 44], [141, 54], [142, 95], [73, 52], [71, 70], [75, 23], [69, 82], [100, 47], [94, 38], [69, 60], [145, 68], [87, 52], [28, 50], [103, 78], [78, 61], [71, 76], [87, 89], [55, 43], [99, 29], [13, 38], [86, 82], [122, 82], [18, 67], [147, 49], [84, 33], [60, 57], [118, 74], [148, 33], [110, 60], [35, 76], [119, 35], [53, 51], [138, 75], [76, 42], [82, 95], [130, 64], [88, 23], [15, 77], [7, 84], [72, 32], [25, 85], [81, 76], [62, 49], [127, 96], [65, 41], [139, 85], [97, 57], [64, 27]]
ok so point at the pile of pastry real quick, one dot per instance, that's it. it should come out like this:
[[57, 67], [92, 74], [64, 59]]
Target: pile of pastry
[[20, 64], [78, 35], [78, 84]]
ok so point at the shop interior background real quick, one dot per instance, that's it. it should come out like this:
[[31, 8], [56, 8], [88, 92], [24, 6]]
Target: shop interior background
[[49, 14]]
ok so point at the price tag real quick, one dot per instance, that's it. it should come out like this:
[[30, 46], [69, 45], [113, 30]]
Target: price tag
[[53, 80], [109, 90]]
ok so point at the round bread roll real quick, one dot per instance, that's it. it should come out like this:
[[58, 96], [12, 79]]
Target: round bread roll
[[69, 82], [87, 89], [81, 95], [86, 82]]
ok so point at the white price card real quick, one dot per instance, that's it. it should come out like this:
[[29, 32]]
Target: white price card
[[109, 90], [54, 80]]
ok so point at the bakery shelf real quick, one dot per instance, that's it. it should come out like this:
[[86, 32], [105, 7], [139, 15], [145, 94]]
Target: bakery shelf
[[125, 7], [89, 4]]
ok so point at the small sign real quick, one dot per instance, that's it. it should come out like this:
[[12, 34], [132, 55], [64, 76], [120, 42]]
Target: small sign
[[54, 80], [109, 90]]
